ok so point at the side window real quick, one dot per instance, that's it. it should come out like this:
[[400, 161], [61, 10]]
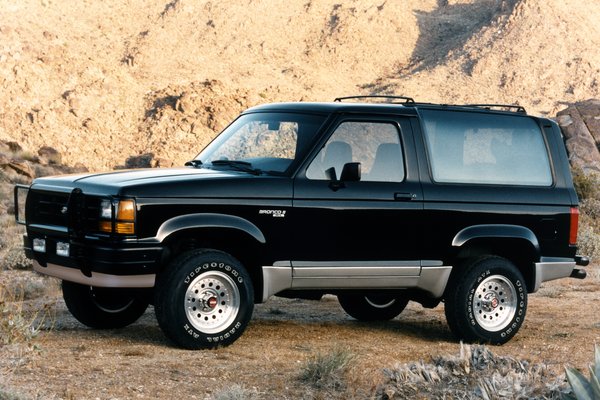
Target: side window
[[375, 145], [486, 148]]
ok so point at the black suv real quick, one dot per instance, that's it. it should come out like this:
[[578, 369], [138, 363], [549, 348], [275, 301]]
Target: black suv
[[377, 203]]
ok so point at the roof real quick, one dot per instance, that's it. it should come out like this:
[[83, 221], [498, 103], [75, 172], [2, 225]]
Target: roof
[[405, 108]]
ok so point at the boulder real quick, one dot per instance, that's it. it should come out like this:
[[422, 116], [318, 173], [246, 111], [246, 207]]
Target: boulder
[[49, 155], [140, 161], [4, 160], [14, 146], [580, 124], [22, 168], [146, 160]]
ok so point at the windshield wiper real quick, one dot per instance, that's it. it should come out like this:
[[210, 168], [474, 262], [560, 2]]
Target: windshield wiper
[[238, 165], [193, 163]]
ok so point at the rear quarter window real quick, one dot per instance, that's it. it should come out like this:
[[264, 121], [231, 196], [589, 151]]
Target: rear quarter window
[[480, 148]]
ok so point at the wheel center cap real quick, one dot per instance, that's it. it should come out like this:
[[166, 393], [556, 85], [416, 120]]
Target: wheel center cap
[[490, 302], [212, 302], [494, 302]]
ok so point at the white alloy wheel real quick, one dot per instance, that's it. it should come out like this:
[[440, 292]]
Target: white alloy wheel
[[212, 302]]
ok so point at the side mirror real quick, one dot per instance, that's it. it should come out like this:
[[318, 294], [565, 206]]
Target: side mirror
[[351, 172], [330, 174]]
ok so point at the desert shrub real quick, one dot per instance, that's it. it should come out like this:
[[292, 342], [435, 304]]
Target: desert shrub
[[587, 186], [591, 209], [588, 239], [17, 325], [327, 371], [588, 242], [582, 388], [235, 392], [8, 394], [476, 373], [31, 289], [15, 258], [12, 255], [553, 292]]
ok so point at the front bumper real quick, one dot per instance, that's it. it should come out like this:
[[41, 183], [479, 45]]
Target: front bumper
[[96, 279], [97, 263]]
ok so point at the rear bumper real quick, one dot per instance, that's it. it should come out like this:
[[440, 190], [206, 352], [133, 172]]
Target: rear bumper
[[549, 269]]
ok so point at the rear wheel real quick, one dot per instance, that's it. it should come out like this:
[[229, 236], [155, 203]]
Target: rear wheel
[[104, 308], [487, 302], [204, 299], [372, 307]]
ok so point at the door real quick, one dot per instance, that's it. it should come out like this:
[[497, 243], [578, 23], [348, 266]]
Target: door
[[342, 226]]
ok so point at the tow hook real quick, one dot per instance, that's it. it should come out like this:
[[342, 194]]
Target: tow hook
[[582, 260], [578, 273]]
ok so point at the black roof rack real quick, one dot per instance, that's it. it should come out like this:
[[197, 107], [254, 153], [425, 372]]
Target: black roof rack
[[411, 101], [501, 107], [406, 100]]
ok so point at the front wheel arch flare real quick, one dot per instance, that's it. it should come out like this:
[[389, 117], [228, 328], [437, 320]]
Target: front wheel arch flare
[[208, 220]]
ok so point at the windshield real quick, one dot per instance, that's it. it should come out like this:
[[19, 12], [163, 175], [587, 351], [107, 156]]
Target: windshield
[[262, 142]]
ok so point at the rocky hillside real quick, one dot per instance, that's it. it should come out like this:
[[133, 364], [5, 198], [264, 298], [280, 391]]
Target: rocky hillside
[[104, 81]]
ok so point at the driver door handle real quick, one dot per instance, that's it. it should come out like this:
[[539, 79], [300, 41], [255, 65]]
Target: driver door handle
[[405, 196]]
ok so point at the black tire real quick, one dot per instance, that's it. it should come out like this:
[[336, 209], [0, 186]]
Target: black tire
[[104, 308], [487, 302], [372, 307], [204, 299]]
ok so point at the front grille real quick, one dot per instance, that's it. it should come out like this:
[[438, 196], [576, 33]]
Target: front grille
[[47, 208], [74, 210], [91, 215]]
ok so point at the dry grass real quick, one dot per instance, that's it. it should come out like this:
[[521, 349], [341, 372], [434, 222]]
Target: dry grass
[[18, 324], [11, 244], [327, 371]]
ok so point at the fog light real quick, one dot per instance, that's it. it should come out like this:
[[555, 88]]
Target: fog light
[[62, 249], [39, 245]]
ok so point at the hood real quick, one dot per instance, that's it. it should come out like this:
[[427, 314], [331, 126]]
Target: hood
[[162, 182]]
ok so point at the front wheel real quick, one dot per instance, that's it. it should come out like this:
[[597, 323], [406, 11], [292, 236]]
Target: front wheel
[[204, 299], [487, 302], [104, 308], [372, 307]]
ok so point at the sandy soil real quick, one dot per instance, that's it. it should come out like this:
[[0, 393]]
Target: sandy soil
[[75, 362]]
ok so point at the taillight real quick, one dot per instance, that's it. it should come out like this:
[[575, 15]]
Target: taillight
[[574, 222]]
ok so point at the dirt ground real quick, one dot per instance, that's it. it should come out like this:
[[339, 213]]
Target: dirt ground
[[73, 362]]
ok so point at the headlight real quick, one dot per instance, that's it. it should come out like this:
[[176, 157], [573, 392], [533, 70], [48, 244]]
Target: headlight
[[117, 217], [106, 209]]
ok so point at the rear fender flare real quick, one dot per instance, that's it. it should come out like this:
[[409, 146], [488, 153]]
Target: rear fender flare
[[496, 231]]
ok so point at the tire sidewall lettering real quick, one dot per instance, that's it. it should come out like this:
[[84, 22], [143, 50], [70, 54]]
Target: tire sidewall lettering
[[213, 266], [226, 335]]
